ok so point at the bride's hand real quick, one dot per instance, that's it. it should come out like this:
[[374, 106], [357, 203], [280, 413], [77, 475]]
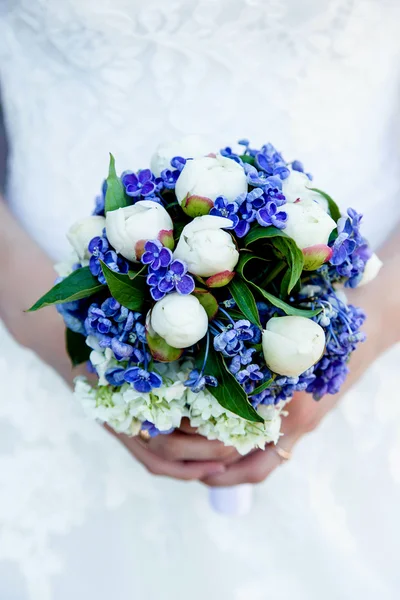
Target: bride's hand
[[182, 454]]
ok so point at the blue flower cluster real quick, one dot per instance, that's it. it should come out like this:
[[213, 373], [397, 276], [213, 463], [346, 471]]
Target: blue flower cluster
[[350, 250], [100, 250], [118, 328], [165, 274], [342, 323], [145, 185]]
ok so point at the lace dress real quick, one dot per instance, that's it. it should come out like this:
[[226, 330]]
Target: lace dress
[[79, 518]]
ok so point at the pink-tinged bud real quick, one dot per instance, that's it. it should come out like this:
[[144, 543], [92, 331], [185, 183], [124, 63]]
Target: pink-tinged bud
[[166, 237], [197, 206], [316, 256], [160, 350], [208, 302], [220, 279], [139, 248]]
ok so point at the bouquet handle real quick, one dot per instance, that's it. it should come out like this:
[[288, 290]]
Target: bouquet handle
[[234, 501]]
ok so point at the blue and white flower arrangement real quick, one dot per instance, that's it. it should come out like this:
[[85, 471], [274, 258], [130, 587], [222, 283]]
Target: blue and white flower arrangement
[[211, 287]]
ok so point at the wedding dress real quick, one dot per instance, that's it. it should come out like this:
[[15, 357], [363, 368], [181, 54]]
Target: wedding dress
[[79, 517]]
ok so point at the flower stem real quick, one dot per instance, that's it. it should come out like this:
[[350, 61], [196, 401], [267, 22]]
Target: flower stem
[[274, 273], [227, 315]]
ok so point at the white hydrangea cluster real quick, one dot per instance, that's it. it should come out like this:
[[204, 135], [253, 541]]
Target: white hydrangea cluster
[[216, 423], [125, 409]]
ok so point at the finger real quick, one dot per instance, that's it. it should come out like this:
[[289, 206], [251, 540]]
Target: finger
[[186, 427], [180, 446], [178, 469], [253, 468]]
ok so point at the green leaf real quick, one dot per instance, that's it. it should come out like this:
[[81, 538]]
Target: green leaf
[[333, 207], [284, 289], [126, 290], [263, 386], [229, 393], [115, 194], [245, 300], [78, 350], [288, 309], [246, 158], [80, 284], [285, 246]]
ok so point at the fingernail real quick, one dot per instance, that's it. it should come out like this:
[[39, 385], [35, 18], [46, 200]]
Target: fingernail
[[216, 470]]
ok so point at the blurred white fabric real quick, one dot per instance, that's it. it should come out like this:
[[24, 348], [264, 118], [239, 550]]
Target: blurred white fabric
[[79, 518]]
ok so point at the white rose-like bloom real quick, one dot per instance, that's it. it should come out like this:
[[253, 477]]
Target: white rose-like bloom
[[297, 187], [180, 320], [308, 224], [210, 177], [372, 268], [130, 227], [291, 345], [84, 230], [206, 248], [190, 146]]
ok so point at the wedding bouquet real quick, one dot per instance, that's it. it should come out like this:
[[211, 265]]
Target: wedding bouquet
[[211, 287]]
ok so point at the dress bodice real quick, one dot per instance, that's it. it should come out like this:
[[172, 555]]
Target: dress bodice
[[318, 78]]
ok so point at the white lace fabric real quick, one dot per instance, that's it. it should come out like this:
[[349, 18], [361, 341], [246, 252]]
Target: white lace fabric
[[80, 78]]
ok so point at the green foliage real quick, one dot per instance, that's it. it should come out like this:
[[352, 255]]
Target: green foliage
[[128, 291], [115, 194], [284, 247], [244, 299], [80, 284], [77, 349], [288, 309], [229, 392]]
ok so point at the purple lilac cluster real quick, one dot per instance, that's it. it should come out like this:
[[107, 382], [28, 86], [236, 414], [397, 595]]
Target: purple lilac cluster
[[165, 274], [263, 204], [114, 326], [231, 340], [101, 251], [118, 328], [342, 323], [350, 250]]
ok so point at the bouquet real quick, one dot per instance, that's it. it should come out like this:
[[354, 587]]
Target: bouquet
[[211, 287]]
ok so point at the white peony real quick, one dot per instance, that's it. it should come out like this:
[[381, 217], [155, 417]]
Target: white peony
[[180, 320], [210, 177], [308, 224], [291, 345], [298, 187], [83, 231], [206, 248], [372, 268], [190, 146], [129, 228]]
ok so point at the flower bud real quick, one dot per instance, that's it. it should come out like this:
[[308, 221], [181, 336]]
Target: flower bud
[[206, 248], [207, 178], [372, 268], [291, 345], [180, 320], [129, 228], [308, 224], [190, 146], [84, 230]]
